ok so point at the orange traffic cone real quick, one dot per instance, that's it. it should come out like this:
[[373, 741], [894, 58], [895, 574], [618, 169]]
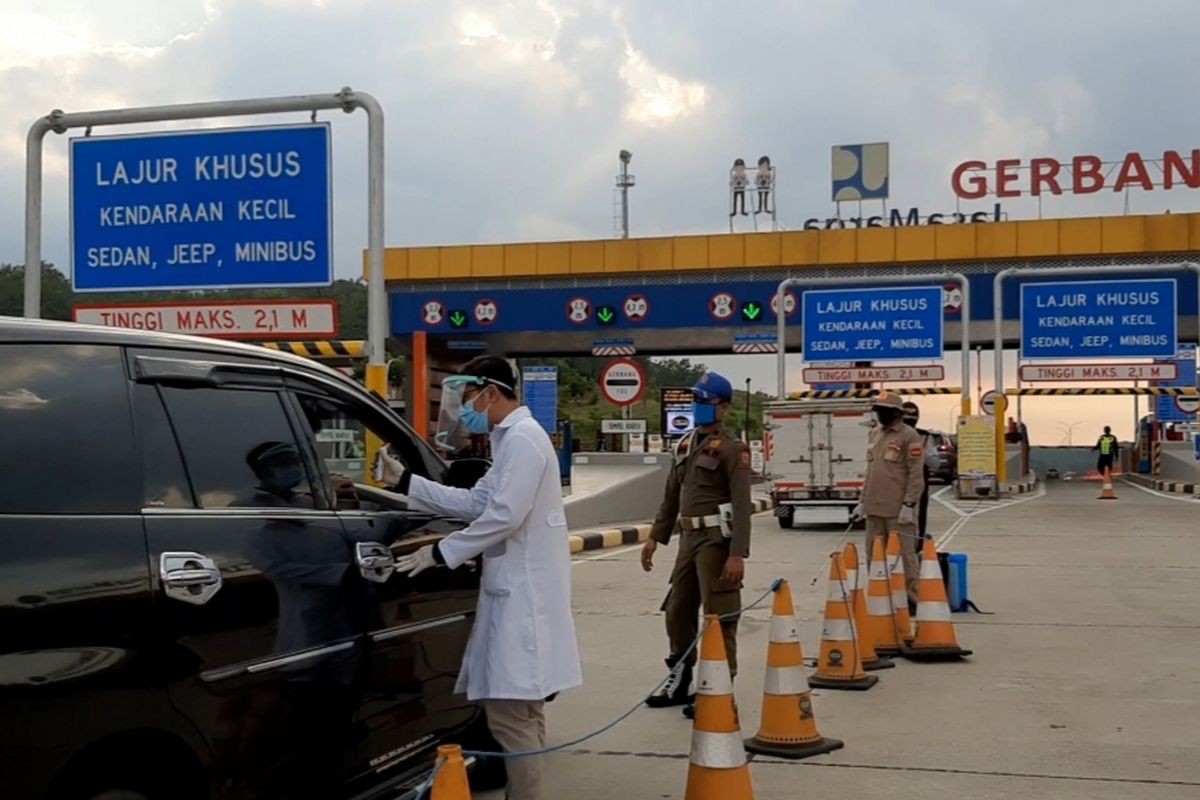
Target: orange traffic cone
[[718, 769], [1106, 492], [450, 783], [880, 620], [839, 665], [788, 729], [904, 628], [935, 631], [871, 660]]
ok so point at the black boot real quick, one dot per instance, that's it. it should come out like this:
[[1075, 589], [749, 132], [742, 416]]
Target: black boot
[[677, 690]]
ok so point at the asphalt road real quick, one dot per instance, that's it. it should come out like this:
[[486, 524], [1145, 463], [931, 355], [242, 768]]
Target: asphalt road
[[1083, 683]]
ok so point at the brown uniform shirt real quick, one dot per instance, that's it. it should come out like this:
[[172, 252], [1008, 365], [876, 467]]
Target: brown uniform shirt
[[895, 470], [710, 469]]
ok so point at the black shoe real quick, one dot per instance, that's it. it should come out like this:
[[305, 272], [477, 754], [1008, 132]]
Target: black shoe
[[689, 711], [677, 689]]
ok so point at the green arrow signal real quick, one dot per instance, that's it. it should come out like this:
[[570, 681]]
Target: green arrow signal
[[751, 310], [458, 319], [606, 314]]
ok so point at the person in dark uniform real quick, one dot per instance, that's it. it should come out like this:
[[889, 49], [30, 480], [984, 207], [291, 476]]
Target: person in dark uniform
[[1108, 448], [708, 493], [912, 416]]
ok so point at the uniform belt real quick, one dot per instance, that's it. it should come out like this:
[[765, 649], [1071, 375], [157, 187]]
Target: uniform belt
[[700, 523]]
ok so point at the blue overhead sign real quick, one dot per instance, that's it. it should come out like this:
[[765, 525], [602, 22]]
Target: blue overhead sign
[[540, 395], [1099, 319], [873, 324], [212, 209], [1167, 408]]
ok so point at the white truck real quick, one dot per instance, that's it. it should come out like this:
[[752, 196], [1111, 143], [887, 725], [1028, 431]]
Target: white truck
[[816, 455]]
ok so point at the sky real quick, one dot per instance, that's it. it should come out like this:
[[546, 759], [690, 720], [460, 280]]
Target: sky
[[504, 119]]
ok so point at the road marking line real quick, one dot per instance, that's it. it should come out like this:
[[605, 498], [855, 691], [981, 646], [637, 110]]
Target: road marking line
[[1181, 498], [606, 554], [958, 526]]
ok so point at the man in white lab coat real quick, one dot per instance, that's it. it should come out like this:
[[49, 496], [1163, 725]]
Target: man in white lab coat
[[522, 649]]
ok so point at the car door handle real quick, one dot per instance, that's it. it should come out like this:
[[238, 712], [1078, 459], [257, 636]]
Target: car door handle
[[189, 577], [375, 561]]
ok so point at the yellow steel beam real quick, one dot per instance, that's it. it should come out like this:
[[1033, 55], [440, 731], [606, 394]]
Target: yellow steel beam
[[979, 241]]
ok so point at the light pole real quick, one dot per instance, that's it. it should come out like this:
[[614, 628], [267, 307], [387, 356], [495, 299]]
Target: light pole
[[624, 182], [1067, 430]]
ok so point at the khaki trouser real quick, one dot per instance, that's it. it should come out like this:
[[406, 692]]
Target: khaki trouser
[[520, 727], [878, 527], [695, 583]]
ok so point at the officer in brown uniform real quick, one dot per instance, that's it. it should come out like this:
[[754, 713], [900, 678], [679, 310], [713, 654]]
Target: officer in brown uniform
[[894, 482], [708, 491]]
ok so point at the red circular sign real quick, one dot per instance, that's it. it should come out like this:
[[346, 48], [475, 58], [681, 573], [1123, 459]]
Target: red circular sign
[[789, 303], [433, 313], [636, 307], [952, 298], [487, 312], [722, 306], [622, 382], [1187, 403], [579, 310]]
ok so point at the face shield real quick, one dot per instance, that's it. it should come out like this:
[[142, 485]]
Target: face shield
[[458, 420], [452, 434]]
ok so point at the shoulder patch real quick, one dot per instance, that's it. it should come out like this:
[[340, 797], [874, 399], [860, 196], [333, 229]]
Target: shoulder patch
[[916, 451], [744, 457]]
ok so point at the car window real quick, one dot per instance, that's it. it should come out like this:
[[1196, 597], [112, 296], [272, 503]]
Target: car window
[[164, 478], [67, 438], [239, 448], [341, 430]]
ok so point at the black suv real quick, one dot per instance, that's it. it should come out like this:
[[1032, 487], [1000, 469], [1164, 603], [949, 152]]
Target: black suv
[[191, 604]]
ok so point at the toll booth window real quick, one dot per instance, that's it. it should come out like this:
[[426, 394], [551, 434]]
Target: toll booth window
[[67, 435], [239, 448]]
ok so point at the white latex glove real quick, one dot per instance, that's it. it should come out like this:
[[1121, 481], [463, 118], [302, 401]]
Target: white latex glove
[[857, 513], [416, 562], [908, 516], [387, 469]]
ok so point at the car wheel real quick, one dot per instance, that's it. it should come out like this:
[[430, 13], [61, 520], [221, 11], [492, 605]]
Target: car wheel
[[488, 773], [786, 519]]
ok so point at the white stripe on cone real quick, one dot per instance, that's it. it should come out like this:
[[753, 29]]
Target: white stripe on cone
[[879, 606], [878, 571], [784, 630], [930, 569], [837, 592], [785, 681], [838, 630], [714, 678], [933, 612], [852, 579], [718, 750]]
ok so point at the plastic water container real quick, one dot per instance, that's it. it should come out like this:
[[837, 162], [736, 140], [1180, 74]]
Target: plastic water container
[[957, 584]]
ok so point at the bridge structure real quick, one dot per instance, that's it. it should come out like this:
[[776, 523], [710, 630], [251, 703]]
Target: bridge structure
[[702, 293]]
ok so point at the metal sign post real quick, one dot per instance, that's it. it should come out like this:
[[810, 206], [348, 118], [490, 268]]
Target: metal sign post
[[347, 100]]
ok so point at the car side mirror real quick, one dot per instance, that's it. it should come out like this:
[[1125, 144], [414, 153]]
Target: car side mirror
[[466, 472]]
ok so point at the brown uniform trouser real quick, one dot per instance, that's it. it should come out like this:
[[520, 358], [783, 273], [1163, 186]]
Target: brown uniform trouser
[[878, 527], [695, 583], [520, 727]]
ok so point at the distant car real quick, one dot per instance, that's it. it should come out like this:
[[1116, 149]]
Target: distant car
[[1052, 474], [941, 458]]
